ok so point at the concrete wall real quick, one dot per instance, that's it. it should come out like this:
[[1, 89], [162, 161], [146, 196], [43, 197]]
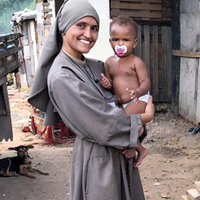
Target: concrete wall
[[189, 6], [189, 94]]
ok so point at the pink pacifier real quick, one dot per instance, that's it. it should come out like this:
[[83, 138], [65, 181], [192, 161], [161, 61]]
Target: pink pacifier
[[120, 50]]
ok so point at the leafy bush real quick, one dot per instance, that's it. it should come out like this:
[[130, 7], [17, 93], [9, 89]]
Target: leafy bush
[[8, 7]]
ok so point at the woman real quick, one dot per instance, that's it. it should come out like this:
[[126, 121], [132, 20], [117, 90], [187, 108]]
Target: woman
[[73, 93]]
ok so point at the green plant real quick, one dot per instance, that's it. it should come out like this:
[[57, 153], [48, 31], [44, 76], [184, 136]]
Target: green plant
[[8, 8]]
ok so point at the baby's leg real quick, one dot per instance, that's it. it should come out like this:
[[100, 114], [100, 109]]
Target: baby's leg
[[142, 153], [133, 108]]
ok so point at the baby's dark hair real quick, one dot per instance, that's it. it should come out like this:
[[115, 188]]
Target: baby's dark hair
[[124, 20]]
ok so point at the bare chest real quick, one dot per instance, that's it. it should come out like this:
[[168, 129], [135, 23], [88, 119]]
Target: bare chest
[[122, 69]]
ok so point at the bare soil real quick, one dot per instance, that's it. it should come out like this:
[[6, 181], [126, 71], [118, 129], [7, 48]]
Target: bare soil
[[170, 169]]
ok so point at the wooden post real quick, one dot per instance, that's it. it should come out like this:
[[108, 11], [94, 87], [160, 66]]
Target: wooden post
[[175, 59]]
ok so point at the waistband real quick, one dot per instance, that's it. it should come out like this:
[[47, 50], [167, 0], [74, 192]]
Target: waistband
[[90, 140]]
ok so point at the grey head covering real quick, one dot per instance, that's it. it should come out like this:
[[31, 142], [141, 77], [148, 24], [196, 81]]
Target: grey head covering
[[70, 12]]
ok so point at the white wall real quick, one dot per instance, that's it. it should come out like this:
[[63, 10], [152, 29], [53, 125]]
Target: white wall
[[102, 49], [189, 94], [188, 89], [198, 96], [188, 6]]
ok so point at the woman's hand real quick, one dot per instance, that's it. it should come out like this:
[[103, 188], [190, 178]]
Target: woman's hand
[[129, 153], [149, 112]]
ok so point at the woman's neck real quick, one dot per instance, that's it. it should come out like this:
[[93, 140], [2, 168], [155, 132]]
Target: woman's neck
[[70, 51], [82, 60]]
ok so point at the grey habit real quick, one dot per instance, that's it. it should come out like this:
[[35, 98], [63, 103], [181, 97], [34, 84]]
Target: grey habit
[[70, 90]]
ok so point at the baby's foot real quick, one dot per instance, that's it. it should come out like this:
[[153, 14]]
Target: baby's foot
[[140, 158]]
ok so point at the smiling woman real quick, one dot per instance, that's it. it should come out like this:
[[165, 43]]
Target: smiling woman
[[80, 37], [67, 87]]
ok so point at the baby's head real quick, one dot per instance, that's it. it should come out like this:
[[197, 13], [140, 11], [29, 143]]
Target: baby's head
[[122, 21], [123, 35]]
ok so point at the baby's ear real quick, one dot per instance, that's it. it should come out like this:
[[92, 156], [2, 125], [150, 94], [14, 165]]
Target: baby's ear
[[135, 43]]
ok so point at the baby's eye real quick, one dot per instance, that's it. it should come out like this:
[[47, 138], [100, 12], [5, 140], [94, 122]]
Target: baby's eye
[[115, 39], [126, 40]]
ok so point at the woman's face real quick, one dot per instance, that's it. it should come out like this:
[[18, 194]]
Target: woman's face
[[81, 37]]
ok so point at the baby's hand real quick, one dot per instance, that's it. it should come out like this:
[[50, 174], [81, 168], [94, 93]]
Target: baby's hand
[[105, 82], [129, 153], [133, 95]]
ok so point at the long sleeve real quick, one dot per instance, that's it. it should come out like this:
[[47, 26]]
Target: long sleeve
[[85, 111]]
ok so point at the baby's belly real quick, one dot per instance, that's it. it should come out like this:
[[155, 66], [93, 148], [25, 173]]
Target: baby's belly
[[120, 84], [123, 96]]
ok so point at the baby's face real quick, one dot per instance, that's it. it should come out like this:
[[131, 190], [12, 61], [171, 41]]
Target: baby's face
[[122, 39]]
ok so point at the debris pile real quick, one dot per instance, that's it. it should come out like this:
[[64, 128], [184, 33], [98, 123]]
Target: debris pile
[[193, 194]]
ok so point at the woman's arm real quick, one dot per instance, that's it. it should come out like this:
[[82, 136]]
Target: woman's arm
[[149, 112], [85, 111]]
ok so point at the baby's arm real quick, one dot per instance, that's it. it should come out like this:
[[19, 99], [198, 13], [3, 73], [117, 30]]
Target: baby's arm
[[106, 81], [143, 78]]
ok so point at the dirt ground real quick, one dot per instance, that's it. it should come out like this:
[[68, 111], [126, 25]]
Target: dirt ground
[[172, 166]]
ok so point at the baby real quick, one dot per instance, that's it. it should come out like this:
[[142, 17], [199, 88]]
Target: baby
[[127, 75]]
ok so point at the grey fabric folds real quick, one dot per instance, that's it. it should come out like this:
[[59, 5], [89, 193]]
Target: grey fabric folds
[[69, 13]]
